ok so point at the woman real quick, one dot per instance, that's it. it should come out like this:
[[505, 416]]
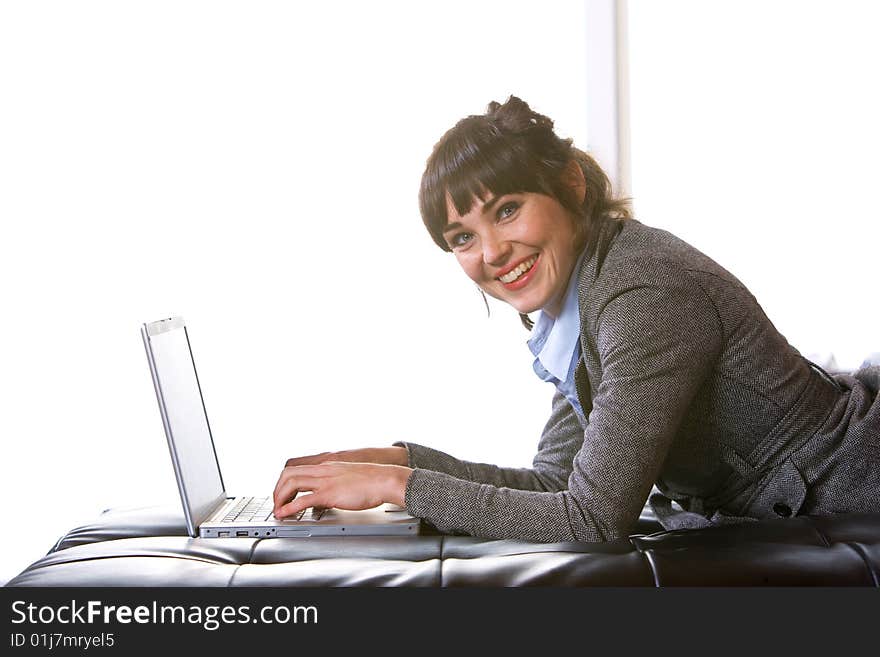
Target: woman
[[667, 371]]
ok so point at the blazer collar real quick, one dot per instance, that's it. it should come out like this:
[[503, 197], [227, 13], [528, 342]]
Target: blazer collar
[[589, 272], [592, 264]]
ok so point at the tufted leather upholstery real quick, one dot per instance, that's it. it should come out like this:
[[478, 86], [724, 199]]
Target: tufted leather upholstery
[[149, 547]]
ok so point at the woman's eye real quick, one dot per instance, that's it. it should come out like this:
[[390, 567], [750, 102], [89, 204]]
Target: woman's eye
[[507, 209], [460, 239]]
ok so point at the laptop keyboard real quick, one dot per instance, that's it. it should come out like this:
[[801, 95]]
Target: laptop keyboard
[[259, 509]]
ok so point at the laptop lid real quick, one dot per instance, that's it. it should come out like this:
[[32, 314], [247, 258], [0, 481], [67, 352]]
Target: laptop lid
[[190, 442]]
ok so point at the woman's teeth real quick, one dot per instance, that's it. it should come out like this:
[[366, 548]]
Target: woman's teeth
[[512, 275]]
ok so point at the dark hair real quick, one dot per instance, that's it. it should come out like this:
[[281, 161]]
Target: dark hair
[[513, 149]]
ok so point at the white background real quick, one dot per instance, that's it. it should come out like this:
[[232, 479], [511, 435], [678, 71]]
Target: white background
[[254, 167], [755, 137]]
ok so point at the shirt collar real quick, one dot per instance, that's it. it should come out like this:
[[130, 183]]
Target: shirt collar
[[553, 341]]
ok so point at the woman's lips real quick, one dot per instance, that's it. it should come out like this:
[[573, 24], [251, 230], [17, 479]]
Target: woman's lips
[[524, 277]]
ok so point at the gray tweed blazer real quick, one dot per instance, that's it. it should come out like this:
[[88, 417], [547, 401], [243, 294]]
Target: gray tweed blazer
[[687, 386]]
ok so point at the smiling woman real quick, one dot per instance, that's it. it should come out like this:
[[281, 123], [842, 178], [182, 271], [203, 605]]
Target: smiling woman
[[523, 253], [666, 369], [561, 190]]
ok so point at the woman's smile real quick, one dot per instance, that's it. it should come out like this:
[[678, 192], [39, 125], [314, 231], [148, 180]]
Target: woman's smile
[[519, 276]]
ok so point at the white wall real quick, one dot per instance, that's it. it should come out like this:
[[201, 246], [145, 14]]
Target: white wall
[[253, 167], [755, 137]]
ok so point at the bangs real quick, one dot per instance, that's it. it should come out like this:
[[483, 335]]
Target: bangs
[[474, 161]]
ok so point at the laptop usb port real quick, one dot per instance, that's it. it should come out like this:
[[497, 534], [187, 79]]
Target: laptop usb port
[[223, 534], [243, 533]]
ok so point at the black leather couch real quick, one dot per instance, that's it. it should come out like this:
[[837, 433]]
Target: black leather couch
[[149, 547]]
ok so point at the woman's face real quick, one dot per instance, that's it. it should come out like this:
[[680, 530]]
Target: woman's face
[[519, 248]]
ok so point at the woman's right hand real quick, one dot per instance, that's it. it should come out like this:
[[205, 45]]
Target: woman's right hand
[[382, 455]]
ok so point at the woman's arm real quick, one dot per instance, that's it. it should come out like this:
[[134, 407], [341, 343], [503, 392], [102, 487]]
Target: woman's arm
[[656, 343], [560, 440], [362, 478]]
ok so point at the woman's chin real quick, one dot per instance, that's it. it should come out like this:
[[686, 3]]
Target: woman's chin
[[525, 308], [523, 304]]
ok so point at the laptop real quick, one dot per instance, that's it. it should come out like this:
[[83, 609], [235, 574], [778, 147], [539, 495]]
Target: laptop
[[209, 511]]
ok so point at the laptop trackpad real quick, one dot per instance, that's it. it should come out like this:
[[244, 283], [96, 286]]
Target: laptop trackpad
[[288, 532]]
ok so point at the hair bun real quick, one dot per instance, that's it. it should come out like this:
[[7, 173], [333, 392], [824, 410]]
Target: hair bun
[[515, 115]]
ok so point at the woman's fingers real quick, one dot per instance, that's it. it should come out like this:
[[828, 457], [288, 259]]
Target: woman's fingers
[[295, 506], [338, 484], [293, 480], [287, 472]]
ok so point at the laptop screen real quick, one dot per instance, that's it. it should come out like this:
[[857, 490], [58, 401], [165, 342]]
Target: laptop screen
[[184, 416]]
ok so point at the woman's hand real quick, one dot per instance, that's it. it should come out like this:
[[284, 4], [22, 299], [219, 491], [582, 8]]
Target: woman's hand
[[385, 455], [339, 484]]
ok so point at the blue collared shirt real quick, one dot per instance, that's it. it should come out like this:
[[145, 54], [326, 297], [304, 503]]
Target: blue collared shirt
[[556, 344]]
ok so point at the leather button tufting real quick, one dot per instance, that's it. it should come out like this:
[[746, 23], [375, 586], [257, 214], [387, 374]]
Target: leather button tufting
[[782, 509]]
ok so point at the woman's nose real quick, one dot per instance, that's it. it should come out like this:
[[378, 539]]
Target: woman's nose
[[496, 251]]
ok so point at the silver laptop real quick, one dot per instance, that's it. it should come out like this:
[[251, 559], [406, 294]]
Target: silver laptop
[[209, 511]]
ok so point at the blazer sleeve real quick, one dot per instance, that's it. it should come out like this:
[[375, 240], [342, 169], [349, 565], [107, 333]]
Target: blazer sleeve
[[656, 342], [560, 441]]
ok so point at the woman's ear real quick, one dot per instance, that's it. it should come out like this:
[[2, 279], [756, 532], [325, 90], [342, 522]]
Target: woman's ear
[[574, 178]]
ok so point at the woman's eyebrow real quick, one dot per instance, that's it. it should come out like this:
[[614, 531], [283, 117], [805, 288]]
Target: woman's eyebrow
[[487, 207]]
